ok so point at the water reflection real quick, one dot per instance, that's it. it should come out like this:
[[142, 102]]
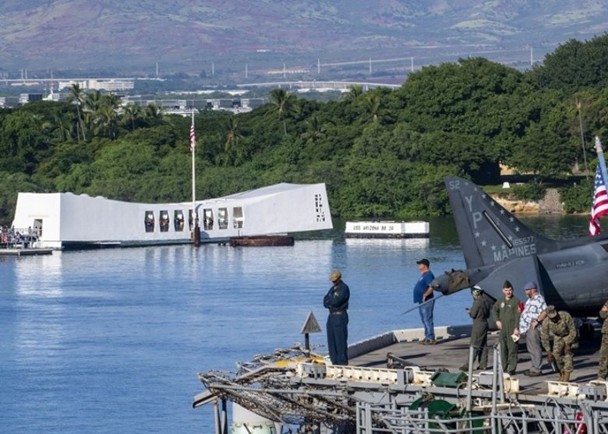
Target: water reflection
[[389, 243], [558, 227], [89, 333]]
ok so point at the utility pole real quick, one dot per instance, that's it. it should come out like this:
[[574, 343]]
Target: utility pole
[[531, 55], [580, 124]]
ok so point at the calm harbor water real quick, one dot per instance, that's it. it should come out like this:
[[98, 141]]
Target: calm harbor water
[[110, 341]]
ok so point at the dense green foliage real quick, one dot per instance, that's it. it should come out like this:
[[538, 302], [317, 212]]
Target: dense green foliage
[[577, 197], [382, 153], [531, 191]]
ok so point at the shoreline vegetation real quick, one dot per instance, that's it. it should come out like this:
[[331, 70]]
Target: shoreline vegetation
[[382, 153]]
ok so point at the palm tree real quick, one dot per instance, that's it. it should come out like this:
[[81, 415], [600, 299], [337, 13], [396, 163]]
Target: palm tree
[[354, 92], [106, 120], [284, 102], [77, 96], [131, 113], [63, 126], [153, 114], [104, 113], [316, 130], [233, 135], [372, 106], [92, 101]]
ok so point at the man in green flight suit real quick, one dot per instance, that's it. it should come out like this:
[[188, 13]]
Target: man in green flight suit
[[565, 339], [507, 312], [480, 312]]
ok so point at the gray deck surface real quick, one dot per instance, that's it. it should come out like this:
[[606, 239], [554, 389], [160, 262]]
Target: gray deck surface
[[452, 353]]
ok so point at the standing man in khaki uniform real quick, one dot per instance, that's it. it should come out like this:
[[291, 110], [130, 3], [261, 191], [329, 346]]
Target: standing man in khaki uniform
[[561, 325], [506, 312], [603, 367]]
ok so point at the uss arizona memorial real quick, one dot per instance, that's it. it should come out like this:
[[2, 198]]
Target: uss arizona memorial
[[67, 220]]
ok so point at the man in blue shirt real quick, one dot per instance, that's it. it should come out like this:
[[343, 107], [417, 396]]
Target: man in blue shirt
[[423, 291]]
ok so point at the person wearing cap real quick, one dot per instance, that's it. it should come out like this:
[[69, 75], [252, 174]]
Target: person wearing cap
[[480, 312], [336, 300], [530, 325], [603, 363], [506, 311], [423, 292], [565, 339]]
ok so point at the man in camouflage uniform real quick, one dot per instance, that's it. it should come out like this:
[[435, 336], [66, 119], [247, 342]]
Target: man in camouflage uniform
[[561, 326], [480, 312], [506, 311], [603, 368]]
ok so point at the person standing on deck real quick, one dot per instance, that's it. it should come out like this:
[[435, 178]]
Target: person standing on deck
[[603, 365], [423, 292], [480, 312], [506, 311], [530, 324], [336, 300], [565, 339]]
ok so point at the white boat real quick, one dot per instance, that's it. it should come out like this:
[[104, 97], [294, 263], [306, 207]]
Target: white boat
[[386, 229], [67, 220]]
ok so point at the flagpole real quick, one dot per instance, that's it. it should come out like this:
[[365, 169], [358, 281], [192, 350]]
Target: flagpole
[[600, 156], [196, 232]]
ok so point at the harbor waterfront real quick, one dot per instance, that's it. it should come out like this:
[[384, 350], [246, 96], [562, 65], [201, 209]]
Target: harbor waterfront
[[109, 341]]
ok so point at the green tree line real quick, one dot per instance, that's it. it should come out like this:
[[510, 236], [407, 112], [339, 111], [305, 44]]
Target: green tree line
[[381, 152]]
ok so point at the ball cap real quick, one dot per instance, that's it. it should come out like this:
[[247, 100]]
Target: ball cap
[[423, 261], [476, 290], [335, 276], [530, 285], [551, 311]]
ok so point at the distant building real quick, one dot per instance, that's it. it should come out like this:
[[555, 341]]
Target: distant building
[[67, 84], [186, 106], [253, 102], [24, 98], [109, 85], [9, 101], [225, 103]]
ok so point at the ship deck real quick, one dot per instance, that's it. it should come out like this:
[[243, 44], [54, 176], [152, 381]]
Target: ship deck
[[393, 383], [452, 350]]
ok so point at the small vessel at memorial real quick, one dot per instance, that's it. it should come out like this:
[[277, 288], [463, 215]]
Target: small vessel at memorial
[[386, 229]]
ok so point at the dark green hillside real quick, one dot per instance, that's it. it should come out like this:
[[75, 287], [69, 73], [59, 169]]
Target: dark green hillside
[[381, 153]]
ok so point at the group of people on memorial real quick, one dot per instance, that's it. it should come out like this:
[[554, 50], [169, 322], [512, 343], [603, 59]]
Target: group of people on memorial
[[544, 327]]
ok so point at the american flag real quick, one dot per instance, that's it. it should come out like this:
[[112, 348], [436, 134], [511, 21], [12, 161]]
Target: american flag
[[600, 202], [192, 137]]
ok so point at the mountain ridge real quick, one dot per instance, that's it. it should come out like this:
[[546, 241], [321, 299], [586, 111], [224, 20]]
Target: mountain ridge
[[137, 33]]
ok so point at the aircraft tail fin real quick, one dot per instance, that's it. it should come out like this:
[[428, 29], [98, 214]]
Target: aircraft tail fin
[[488, 233]]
